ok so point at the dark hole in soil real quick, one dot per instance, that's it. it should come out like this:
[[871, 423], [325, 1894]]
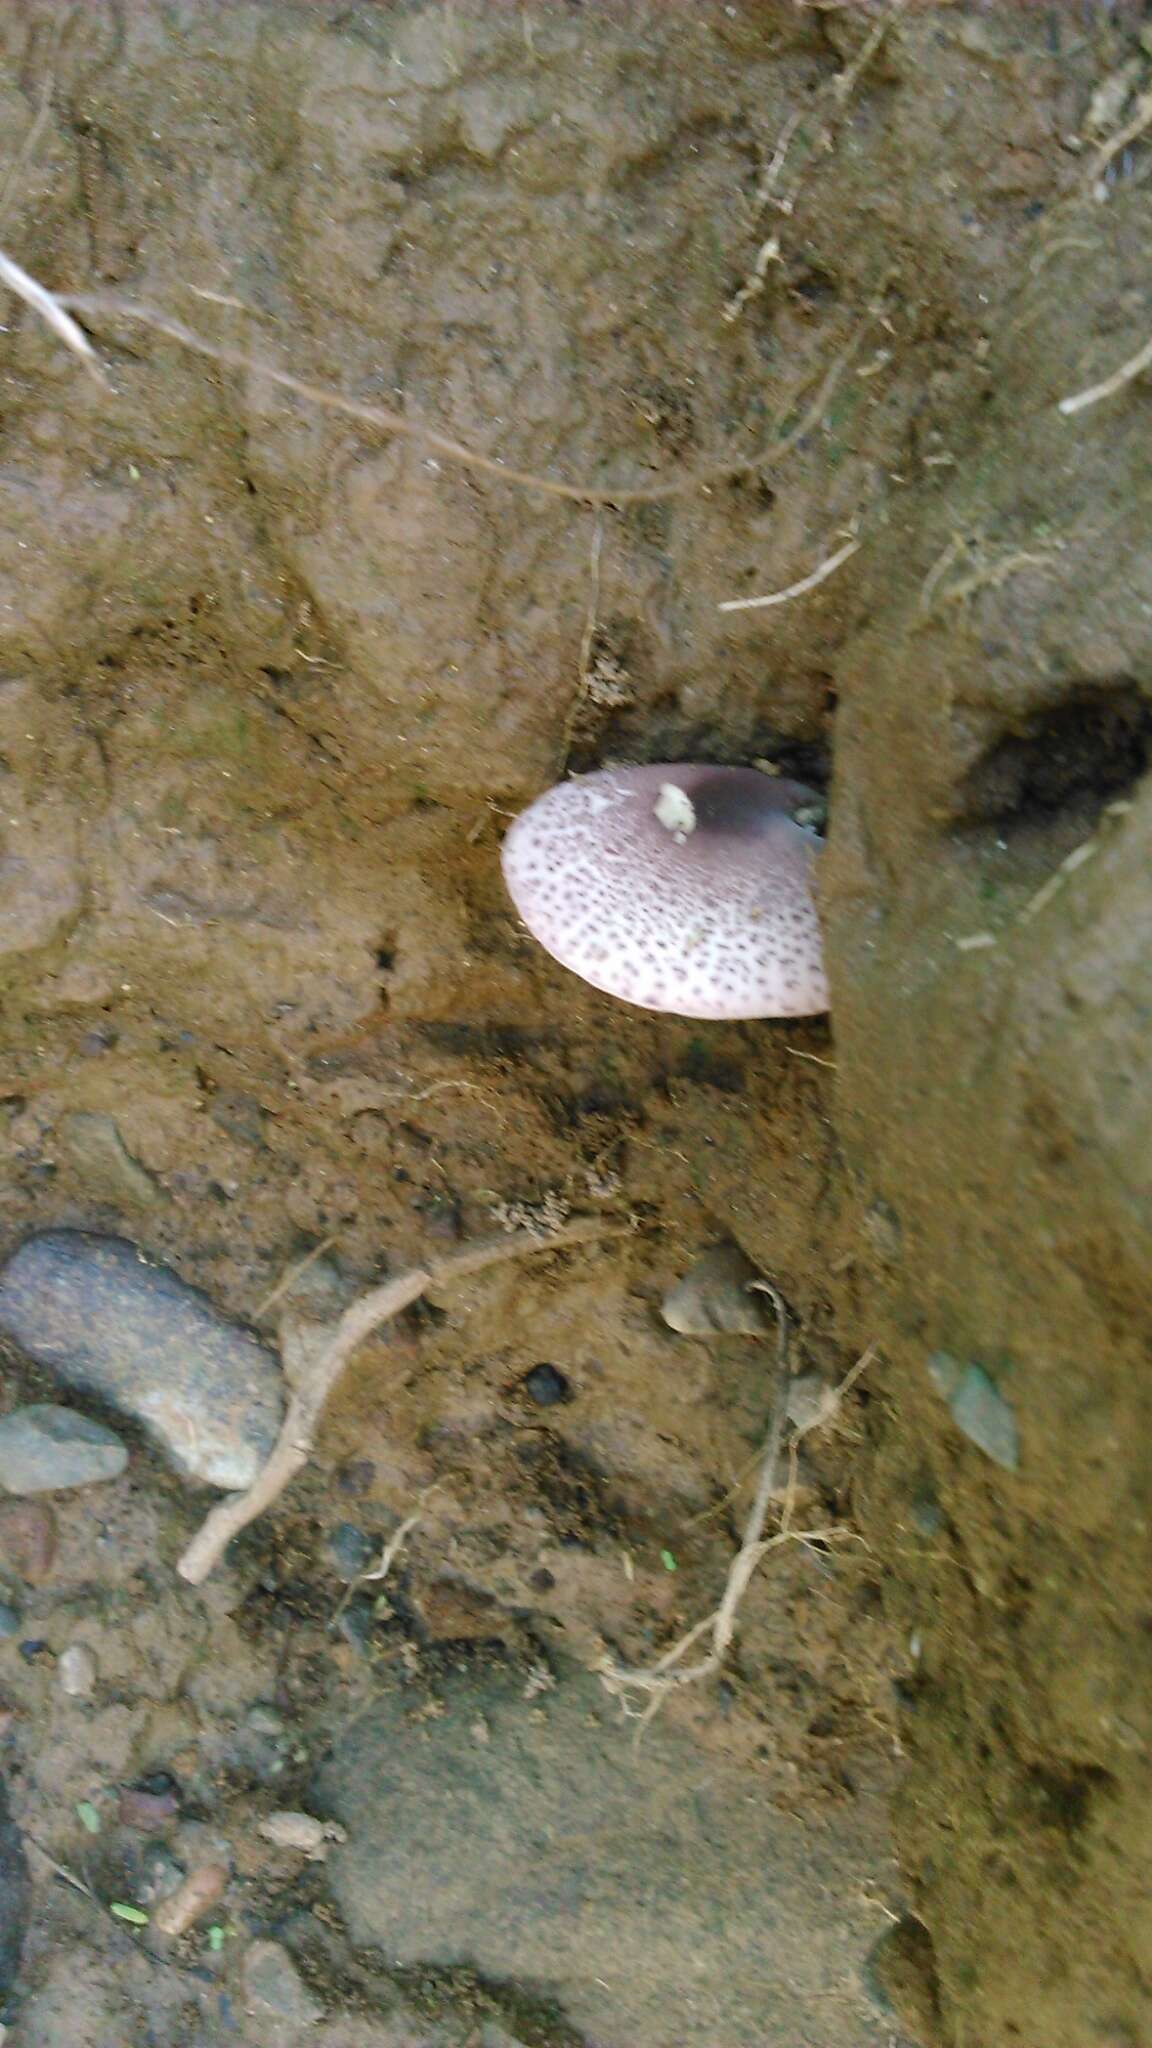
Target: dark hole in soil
[[1093, 745], [1066, 1798]]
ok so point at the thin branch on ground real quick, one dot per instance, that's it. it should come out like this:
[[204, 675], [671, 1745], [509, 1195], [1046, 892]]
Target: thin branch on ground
[[668, 1672], [52, 311], [385, 420], [806, 583], [293, 1447], [1133, 368]]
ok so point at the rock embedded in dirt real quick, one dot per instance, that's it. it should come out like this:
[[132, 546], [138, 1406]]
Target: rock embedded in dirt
[[9, 1619], [97, 1149], [350, 1551], [76, 1672], [546, 1386], [45, 1449], [28, 1539], [273, 1987], [302, 1832], [556, 1853], [712, 1300], [977, 1407], [108, 1320]]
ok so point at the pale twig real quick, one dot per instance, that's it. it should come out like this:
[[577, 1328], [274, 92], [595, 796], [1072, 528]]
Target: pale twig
[[51, 310], [385, 420], [806, 583], [293, 1447], [1134, 367]]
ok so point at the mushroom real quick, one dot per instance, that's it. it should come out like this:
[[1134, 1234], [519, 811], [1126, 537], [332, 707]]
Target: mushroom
[[682, 888]]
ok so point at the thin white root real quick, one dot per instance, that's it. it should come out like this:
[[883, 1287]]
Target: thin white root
[[1133, 368], [657, 1680], [293, 1447], [806, 583], [48, 306]]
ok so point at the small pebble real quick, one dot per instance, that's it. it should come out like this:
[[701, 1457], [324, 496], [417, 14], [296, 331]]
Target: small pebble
[[713, 1298], [301, 1831], [108, 1320], [273, 1986], [350, 1551], [546, 1386], [76, 1672], [28, 1539], [977, 1407], [47, 1449], [9, 1619]]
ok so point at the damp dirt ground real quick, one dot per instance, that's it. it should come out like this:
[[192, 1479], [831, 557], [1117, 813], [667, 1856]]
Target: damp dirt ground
[[732, 287]]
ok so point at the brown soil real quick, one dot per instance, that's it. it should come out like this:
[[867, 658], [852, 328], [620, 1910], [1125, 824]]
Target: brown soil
[[272, 679]]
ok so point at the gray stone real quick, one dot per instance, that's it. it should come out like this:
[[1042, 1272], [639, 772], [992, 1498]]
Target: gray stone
[[109, 1170], [44, 1449], [273, 1986], [712, 1300], [980, 1411], [977, 1407], [651, 1894], [9, 1619], [108, 1320]]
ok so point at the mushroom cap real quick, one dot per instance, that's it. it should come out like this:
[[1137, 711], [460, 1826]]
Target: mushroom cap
[[677, 887]]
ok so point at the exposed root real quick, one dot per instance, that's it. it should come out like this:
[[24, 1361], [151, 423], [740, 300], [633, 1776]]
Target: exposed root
[[806, 583], [294, 1445], [836, 95], [385, 420], [1133, 368], [52, 311], [654, 1682]]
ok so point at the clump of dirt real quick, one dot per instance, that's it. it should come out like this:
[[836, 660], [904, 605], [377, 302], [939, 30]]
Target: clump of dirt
[[272, 678]]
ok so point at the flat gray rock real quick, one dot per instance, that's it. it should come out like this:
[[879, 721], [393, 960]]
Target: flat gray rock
[[650, 1898], [46, 1450], [109, 1321]]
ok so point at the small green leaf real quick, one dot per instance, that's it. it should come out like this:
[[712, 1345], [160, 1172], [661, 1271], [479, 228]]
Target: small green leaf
[[668, 1561], [132, 1914], [89, 1816], [215, 1939]]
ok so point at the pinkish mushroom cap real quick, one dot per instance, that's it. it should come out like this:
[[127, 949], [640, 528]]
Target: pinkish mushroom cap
[[679, 887]]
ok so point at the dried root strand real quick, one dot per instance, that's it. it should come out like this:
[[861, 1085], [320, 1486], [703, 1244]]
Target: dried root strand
[[293, 1447]]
